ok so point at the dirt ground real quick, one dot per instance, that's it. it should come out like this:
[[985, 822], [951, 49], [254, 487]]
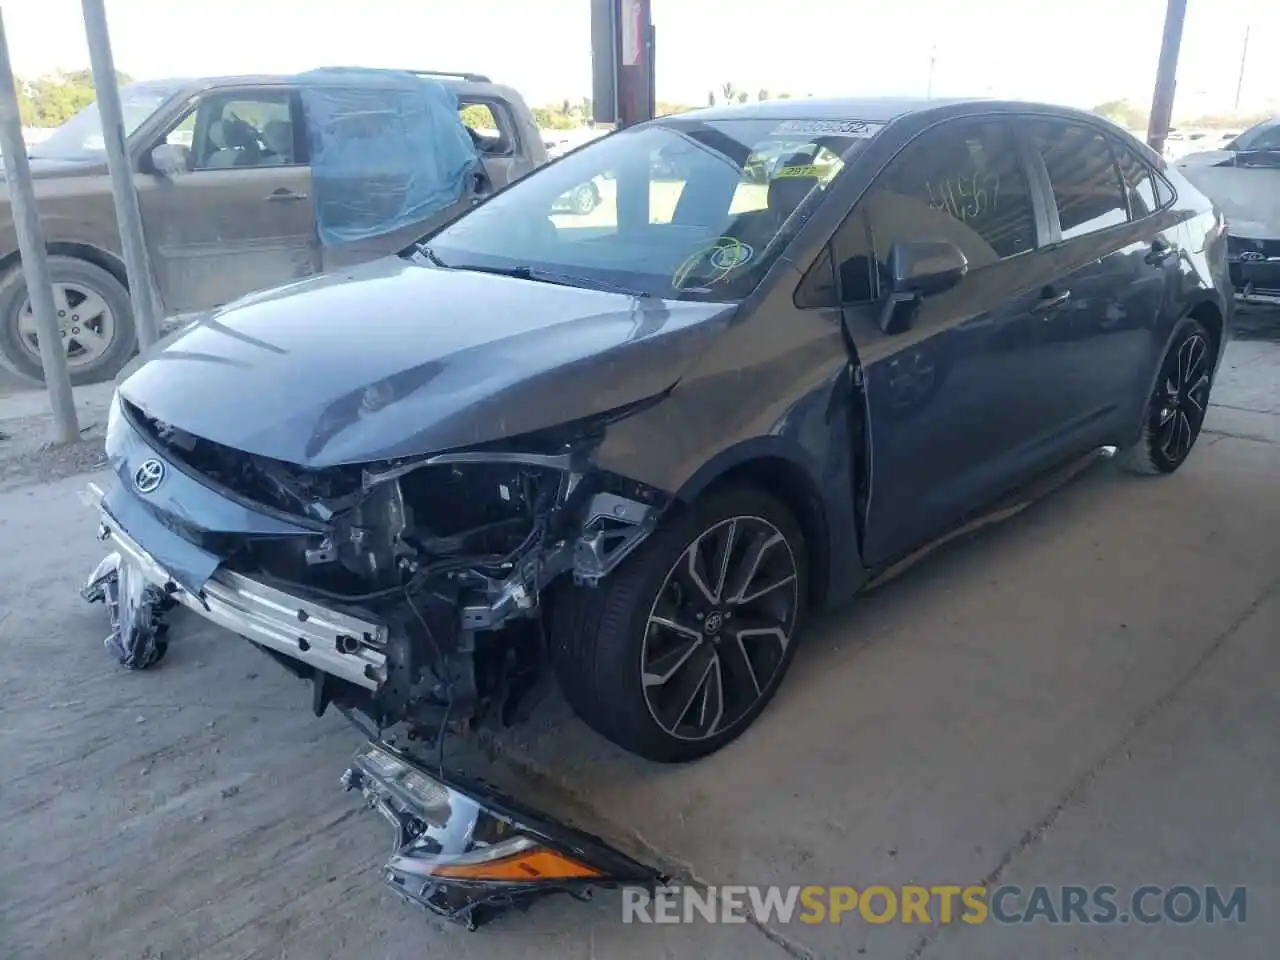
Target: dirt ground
[[1086, 694]]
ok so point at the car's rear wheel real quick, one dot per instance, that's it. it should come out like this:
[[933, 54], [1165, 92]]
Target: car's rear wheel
[[1176, 408], [680, 649], [94, 315]]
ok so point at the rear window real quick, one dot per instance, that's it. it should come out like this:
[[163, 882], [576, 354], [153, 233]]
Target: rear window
[[681, 207], [1147, 190]]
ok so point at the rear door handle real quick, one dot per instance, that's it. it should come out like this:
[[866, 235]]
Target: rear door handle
[[1050, 300], [284, 193]]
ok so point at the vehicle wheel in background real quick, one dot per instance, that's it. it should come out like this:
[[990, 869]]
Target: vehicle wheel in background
[[676, 652], [1176, 408], [584, 199], [94, 314]]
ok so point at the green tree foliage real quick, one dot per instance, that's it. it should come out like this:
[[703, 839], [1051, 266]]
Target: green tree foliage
[[52, 100], [1124, 113]]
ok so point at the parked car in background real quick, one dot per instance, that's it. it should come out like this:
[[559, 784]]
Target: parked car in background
[[234, 215], [1242, 176], [671, 433]]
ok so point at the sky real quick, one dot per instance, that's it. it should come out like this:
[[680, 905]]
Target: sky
[[1078, 52]]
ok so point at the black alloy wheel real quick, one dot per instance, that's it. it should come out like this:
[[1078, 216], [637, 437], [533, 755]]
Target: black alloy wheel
[[1178, 403], [677, 651], [718, 631]]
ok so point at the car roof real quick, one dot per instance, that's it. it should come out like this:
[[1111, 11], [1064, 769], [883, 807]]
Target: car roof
[[469, 82], [870, 109]]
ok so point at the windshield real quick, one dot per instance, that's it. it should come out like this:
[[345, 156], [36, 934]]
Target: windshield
[[678, 208], [80, 138], [1263, 136]]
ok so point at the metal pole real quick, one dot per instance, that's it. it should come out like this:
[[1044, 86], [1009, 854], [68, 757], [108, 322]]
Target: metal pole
[[1244, 54], [1166, 75], [123, 190], [35, 263], [933, 59]]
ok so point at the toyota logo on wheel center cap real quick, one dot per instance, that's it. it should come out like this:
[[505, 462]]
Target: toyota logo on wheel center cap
[[148, 476]]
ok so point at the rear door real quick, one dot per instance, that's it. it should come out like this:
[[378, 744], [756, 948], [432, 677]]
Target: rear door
[[1114, 263], [958, 401], [240, 218]]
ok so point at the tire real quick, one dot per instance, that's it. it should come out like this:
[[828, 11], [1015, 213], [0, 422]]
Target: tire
[[584, 199], [78, 277], [1175, 410], [604, 644]]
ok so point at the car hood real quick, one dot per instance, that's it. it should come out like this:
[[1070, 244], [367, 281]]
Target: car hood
[[394, 359], [1248, 196]]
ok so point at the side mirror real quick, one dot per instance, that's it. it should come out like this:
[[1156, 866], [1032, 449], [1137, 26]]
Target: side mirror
[[168, 159], [918, 269]]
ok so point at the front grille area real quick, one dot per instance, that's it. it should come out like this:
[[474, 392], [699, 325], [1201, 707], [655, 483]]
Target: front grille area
[[281, 486]]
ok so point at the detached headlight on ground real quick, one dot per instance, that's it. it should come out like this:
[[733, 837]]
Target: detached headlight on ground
[[465, 851]]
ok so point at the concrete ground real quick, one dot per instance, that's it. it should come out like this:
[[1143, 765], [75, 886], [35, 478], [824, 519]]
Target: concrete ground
[[1084, 695]]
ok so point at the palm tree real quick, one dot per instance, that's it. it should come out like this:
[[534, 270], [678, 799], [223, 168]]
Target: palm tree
[[729, 91]]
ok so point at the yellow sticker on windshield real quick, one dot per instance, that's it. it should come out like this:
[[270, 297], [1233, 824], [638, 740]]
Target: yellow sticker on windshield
[[809, 171]]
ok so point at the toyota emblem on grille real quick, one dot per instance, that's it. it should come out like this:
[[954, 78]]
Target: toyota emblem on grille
[[1252, 255], [148, 476]]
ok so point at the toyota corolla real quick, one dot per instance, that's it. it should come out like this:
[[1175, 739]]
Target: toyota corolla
[[634, 450]]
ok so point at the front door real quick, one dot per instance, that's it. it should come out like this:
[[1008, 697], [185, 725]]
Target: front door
[[957, 401], [241, 217]]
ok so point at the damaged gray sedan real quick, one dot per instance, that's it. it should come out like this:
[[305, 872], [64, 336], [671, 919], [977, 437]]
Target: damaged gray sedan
[[629, 448]]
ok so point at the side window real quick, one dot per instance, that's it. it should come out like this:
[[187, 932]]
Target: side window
[[245, 129], [963, 182], [1086, 182], [491, 136], [1267, 139], [1147, 193], [183, 134]]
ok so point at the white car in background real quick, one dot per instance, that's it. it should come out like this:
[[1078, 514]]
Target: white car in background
[[1242, 176]]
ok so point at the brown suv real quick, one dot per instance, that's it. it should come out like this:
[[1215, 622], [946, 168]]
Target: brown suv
[[221, 218]]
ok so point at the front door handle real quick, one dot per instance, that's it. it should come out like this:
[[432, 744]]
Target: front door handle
[[284, 193], [1050, 299]]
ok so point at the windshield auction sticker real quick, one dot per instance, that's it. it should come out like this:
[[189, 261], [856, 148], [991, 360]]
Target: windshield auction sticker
[[858, 129]]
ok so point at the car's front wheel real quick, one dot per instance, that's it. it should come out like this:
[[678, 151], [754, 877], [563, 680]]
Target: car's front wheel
[[94, 316], [679, 650], [1176, 408]]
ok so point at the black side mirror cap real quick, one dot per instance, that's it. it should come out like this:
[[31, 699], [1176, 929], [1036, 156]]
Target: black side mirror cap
[[918, 269], [925, 267]]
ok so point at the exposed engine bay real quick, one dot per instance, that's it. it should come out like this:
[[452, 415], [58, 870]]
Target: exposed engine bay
[[409, 591], [452, 552]]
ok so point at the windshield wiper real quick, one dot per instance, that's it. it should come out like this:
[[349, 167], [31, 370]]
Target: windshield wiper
[[425, 251], [539, 276], [586, 283]]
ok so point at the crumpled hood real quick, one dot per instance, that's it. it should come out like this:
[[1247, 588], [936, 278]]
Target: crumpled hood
[[393, 359]]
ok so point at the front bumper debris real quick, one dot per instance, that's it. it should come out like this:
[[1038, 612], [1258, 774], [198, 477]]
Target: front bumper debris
[[136, 609], [466, 852], [337, 643]]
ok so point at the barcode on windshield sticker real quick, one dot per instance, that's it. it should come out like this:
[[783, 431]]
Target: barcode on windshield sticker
[[829, 128]]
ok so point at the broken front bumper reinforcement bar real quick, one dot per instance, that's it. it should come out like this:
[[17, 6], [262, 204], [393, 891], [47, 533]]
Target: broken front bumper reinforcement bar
[[462, 849], [336, 643]]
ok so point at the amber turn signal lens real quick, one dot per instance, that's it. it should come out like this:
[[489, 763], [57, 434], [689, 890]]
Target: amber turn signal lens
[[529, 866]]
